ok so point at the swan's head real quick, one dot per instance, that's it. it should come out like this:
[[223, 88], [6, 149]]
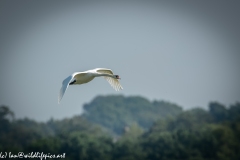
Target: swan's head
[[117, 77]]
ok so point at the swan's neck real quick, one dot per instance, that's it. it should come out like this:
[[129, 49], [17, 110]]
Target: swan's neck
[[104, 74]]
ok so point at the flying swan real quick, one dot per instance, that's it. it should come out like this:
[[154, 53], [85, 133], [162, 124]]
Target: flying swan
[[87, 76]]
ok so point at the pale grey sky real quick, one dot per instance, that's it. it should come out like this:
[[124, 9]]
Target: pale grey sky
[[186, 53]]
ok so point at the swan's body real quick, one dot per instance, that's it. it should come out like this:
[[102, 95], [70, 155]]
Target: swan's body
[[86, 76]]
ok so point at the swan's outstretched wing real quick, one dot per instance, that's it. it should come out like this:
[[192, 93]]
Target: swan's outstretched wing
[[104, 70], [65, 85], [112, 81]]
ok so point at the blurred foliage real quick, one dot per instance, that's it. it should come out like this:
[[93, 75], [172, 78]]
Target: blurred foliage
[[195, 134], [117, 112]]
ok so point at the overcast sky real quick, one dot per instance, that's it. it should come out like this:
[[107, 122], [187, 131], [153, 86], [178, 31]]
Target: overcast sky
[[186, 53]]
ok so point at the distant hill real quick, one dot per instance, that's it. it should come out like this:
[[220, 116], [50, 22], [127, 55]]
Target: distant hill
[[117, 112]]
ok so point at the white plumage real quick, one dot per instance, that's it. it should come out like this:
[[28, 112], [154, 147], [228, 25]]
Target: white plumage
[[86, 76]]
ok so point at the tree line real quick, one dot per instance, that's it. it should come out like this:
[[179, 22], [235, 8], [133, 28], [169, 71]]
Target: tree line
[[129, 128]]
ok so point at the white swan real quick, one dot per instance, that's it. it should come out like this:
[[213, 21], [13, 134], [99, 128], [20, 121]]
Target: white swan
[[87, 76]]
